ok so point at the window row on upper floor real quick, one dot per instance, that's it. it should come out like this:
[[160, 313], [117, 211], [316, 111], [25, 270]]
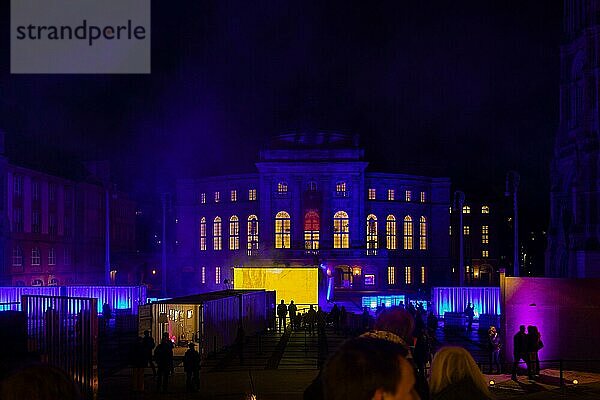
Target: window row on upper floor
[[467, 209], [312, 232]]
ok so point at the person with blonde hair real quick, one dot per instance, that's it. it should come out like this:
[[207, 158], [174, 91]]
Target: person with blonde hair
[[455, 375]]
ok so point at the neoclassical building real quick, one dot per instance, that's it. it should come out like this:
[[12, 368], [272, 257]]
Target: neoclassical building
[[313, 206]]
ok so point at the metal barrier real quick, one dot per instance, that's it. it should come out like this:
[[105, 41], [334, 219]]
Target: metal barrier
[[64, 331]]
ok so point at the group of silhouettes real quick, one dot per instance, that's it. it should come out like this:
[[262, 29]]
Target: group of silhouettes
[[311, 318]]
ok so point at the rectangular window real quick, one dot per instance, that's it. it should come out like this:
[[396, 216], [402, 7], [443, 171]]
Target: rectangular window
[[252, 194], [35, 221], [18, 185], [203, 198], [391, 194], [35, 256], [35, 190], [422, 274], [233, 195], [17, 258], [217, 197], [217, 243], [485, 238], [408, 195], [485, 254], [340, 189], [391, 275], [466, 230], [52, 191], [17, 220], [51, 257], [408, 275], [52, 226], [218, 275], [372, 194], [203, 274], [422, 197], [450, 230], [369, 280]]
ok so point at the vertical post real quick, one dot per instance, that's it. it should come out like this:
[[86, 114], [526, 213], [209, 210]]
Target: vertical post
[[107, 239], [512, 187], [560, 367], [164, 245], [459, 200]]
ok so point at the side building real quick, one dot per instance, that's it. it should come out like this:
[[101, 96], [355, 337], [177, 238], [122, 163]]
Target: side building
[[313, 206], [54, 218]]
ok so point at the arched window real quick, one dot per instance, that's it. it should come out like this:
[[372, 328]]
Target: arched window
[[390, 232], [485, 209], [17, 258], [282, 187], [408, 233], [372, 232], [312, 186], [53, 282], [37, 282], [311, 230], [282, 230], [217, 243], [341, 230], [234, 233], [35, 256], [252, 234], [203, 233], [423, 233]]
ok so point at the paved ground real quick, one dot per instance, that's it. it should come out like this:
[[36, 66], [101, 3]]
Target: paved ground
[[277, 366]]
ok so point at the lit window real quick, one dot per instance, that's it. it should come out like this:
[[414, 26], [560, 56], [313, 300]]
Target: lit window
[[282, 188], [485, 209], [466, 210], [466, 230], [408, 275], [312, 186], [233, 195], [423, 233], [217, 243], [37, 282], [202, 233], [467, 268], [408, 233], [372, 194], [390, 232], [391, 194], [485, 254], [35, 256], [203, 274], [282, 230], [67, 256], [252, 194], [391, 275], [340, 189], [17, 257], [217, 275], [372, 244], [234, 233], [408, 195], [18, 185], [51, 256], [252, 234], [203, 198], [485, 237], [422, 275], [450, 210], [311, 230], [422, 197], [341, 230], [369, 280], [217, 197], [450, 230]]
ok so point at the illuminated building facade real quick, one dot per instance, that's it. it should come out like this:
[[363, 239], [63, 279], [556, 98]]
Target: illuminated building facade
[[574, 231], [54, 218], [313, 204]]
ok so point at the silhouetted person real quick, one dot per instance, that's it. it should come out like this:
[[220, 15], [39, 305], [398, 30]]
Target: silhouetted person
[[191, 366], [321, 321], [149, 345], [163, 354], [138, 361], [422, 352], [469, 313], [240, 337], [494, 349], [106, 314], [519, 350], [335, 318], [282, 314], [365, 319], [311, 318], [293, 309], [534, 344]]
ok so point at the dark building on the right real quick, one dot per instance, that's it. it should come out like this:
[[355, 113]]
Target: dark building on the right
[[574, 231]]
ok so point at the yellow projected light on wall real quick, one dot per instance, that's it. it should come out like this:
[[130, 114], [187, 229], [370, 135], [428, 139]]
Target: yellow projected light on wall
[[298, 284]]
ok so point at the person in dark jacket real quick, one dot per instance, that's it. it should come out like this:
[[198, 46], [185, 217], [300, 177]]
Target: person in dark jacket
[[163, 354], [149, 345], [311, 318], [293, 309], [455, 376], [519, 350], [282, 314], [534, 344], [335, 318], [494, 349], [191, 366]]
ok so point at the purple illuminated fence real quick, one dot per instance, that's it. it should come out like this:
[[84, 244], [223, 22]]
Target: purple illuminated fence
[[64, 331], [486, 300]]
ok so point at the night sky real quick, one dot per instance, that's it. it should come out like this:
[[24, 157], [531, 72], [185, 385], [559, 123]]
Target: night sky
[[462, 89]]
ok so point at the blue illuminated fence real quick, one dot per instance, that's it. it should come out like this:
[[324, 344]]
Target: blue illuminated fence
[[485, 300], [373, 302]]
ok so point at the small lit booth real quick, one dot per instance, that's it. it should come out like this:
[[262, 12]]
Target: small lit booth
[[210, 319], [300, 284]]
